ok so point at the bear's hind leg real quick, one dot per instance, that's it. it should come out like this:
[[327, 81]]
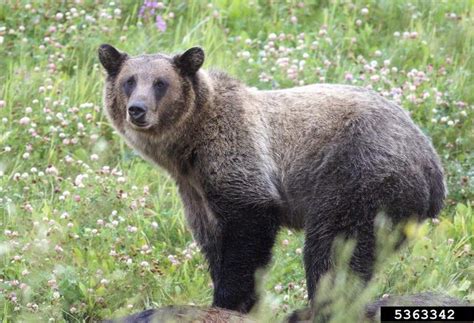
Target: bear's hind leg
[[363, 256], [317, 255], [338, 219]]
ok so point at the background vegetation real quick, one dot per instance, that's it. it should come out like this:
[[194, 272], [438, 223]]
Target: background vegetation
[[90, 231]]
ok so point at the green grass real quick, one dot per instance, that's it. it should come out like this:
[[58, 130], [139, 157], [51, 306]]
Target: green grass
[[89, 230]]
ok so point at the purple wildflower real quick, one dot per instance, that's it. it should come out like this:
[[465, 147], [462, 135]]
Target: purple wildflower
[[160, 23], [151, 4], [141, 12]]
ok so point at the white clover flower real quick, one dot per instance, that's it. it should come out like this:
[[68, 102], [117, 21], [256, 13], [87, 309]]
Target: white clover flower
[[25, 121]]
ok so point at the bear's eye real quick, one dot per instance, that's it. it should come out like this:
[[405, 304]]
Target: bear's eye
[[129, 85], [130, 81], [159, 84]]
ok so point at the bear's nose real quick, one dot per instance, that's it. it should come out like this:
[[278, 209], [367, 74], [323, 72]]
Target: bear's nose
[[137, 112]]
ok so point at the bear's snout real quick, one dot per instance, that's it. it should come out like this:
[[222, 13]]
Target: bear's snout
[[137, 112]]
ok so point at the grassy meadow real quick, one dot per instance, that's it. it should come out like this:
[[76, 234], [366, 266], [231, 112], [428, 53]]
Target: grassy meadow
[[88, 230]]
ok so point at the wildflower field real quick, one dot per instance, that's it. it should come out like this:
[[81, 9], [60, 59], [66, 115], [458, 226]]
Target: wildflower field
[[88, 230]]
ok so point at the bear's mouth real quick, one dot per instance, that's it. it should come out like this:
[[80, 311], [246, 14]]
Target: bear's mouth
[[140, 126]]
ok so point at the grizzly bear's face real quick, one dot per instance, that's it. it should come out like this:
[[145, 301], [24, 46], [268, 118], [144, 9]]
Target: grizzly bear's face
[[149, 93]]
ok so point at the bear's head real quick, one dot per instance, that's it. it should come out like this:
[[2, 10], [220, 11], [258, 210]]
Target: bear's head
[[150, 94]]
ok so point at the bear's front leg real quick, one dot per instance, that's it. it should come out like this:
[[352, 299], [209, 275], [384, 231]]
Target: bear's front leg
[[247, 235]]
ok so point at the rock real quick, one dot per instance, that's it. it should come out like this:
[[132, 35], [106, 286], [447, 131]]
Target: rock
[[181, 314]]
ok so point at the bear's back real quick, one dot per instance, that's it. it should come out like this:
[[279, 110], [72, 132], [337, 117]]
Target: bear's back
[[344, 134], [301, 121]]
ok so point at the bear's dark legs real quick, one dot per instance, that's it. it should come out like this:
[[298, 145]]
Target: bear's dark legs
[[347, 221], [363, 257], [317, 256], [236, 239], [318, 260], [245, 245]]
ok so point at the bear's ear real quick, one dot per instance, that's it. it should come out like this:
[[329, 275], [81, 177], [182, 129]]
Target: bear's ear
[[111, 59], [190, 61]]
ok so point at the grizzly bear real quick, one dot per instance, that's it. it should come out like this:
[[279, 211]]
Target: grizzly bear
[[322, 158]]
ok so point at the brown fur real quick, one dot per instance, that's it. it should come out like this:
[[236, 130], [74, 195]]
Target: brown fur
[[324, 158]]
